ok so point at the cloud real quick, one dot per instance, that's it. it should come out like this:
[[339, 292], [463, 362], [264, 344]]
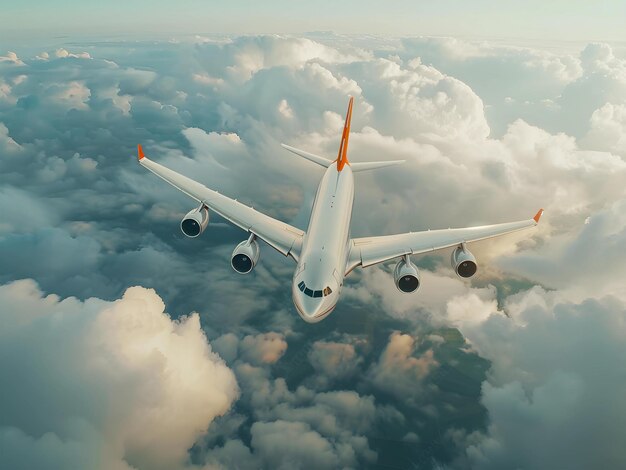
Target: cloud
[[608, 129], [398, 371], [63, 53], [490, 134], [12, 58], [553, 89], [334, 361], [286, 445], [264, 348], [110, 384], [585, 262], [555, 371]]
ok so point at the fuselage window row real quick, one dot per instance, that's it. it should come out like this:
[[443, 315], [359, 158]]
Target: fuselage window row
[[314, 293]]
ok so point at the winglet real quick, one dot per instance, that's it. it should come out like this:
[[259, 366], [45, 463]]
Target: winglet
[[342, 157], [538, 216], [140, 154]]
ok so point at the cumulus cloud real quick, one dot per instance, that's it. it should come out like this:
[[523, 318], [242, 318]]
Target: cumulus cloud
[[292, 445], [608, 129], [334, 360], [585, 262], [490, 134], [264, 348], [555, 371], [63, 53], [110, 384], [398, 371], [12, 58], [556, 90]]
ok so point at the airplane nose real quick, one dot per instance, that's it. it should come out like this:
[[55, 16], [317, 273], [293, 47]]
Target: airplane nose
[[310, 308]]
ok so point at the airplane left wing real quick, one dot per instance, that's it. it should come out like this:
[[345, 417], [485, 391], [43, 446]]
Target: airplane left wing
[[279, 235], [372, 250]]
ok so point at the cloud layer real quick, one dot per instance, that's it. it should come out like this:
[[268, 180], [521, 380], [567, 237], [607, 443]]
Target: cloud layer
[[461, 375], [99, 384]]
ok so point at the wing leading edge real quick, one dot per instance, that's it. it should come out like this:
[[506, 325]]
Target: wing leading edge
[[279, 235], [372, 250]]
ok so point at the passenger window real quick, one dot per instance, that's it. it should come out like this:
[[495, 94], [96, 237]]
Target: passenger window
[[308, 292], [317, 293]]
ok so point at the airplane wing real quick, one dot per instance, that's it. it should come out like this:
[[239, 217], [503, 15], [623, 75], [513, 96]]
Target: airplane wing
[[372, 250], [279, 235]]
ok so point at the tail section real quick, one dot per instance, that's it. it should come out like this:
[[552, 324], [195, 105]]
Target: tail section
[[325, 162], [364, 166], [342, 157]]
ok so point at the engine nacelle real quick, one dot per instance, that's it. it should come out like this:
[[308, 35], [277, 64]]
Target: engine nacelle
[[463, 262], [406, 276], [194, 223], [245, 256]]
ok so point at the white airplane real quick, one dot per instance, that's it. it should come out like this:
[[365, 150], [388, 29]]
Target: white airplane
[[325, 253]]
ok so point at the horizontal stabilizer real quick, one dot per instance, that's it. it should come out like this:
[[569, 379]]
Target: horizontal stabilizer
[[325, 162], [364, 166]]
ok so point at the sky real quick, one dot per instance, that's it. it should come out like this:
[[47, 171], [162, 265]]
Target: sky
[[576, 20], [125, 345]]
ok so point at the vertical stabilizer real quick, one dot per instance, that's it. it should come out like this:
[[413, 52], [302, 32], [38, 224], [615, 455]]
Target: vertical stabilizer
[[342, 157]]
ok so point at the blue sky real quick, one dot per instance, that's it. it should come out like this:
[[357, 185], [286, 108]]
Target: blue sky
[[575, 20]]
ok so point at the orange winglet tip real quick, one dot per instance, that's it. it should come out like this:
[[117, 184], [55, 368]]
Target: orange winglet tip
[[538, 215], [140, 154]]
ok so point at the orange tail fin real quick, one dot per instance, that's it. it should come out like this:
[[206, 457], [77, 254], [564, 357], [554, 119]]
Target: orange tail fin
[[342, 157]]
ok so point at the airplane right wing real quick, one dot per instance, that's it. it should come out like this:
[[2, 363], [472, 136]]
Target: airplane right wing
[[281, 236], [373, 250]]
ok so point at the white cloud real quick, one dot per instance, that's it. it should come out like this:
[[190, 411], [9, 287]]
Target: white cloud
[[12, 58], [263, 348], [608, 129], [263, 52], [398, 371], [334, 361], [73, 95], [63, 53], [116, 384], [556, 371], [7, 144], [585, 261], [285, 110], [286, 445], [558, 143], [5, 93]]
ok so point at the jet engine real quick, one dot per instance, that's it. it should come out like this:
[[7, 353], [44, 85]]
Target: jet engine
[[463, 262], [194, 223], [245, 256], [406, 276]]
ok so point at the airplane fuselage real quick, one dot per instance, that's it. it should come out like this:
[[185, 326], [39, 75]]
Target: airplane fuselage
[[318, 278]]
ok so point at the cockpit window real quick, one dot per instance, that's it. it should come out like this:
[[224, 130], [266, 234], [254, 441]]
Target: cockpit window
[[314, 293]]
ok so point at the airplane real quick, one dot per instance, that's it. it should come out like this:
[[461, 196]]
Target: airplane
[[325, 254]]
